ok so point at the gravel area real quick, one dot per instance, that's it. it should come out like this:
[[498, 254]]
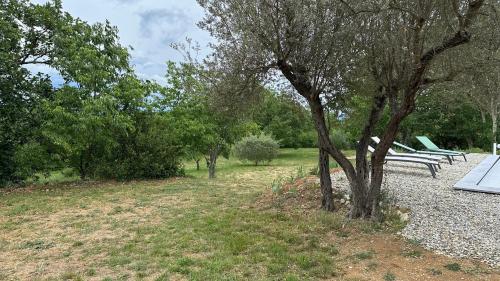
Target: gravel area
[[451, 222]]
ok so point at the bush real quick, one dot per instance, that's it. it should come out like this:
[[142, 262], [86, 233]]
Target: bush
[[307, 139], [261, 148], [30, 159], [150, 152], [475, 150], [340, 139]]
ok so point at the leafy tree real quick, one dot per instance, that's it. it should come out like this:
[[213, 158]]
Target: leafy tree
[[100, 109], [27, 34], [115, 134], [318, 46], [481, 78], [205, 126], [82, 130], [283, 117], [257, 148]]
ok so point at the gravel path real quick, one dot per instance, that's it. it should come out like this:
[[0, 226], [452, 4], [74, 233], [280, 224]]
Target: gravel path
[[455, 223]]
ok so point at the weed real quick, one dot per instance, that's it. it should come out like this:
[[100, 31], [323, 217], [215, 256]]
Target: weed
[[292, 278], [300, 172], [372, 266], [453, 266], [71, 276], [475, 270], [435, 272], [305, 262], [184, 262], [90, 272], [415, 242], [277, 186], [412, 254], [364, 255], [389, 276], [343, 233], [331, 250], [37, 245], [314, 171]]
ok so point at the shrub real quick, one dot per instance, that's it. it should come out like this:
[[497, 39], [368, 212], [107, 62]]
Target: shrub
[[29, 159], [475, 150], [151, 152], [307, 139], [340, 139], [453, 266], [261, 148]]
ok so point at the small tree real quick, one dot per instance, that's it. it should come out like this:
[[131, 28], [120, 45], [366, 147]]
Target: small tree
[[481, 81], [207, 126], [257, 148]]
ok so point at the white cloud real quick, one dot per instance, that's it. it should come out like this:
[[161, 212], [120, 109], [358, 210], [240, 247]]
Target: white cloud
[[149, 26]]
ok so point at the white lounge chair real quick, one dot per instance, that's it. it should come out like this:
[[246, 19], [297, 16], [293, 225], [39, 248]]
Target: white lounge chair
[[392, 152], [431, 164]]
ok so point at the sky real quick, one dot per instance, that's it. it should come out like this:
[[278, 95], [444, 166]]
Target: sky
[[149, 26]]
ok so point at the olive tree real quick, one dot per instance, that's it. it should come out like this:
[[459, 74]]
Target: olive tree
[[315, 45], [207, 125], [481, 81]]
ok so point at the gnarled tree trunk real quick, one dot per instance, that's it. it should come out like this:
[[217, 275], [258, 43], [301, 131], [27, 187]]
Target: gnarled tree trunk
[[325, 181]]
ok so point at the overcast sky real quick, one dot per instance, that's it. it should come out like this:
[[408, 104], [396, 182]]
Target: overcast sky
[[149, 26]]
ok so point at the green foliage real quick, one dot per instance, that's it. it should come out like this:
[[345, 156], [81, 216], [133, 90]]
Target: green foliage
[[30, 158], [204, 126], [364, 255], [453, 266], [150, 151], [257, 148], [389, 276], [88, 56], [339, 139], [442, 114], [113, 135], [100, 122], [277, 185], [448, 119], [82, 127], [286, 120], [435, 272]]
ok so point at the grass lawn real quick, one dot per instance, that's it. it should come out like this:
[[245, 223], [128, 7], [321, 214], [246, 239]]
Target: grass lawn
[[199, 229]]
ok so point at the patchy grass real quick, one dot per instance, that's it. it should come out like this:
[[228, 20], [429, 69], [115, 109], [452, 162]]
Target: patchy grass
[[389, 276], [197, 229], [364, 255], [453, 266]]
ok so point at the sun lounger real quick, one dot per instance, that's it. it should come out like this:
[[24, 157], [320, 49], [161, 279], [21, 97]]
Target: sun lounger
[[392, 152], [429, 145], [432, 165], [449, 156]]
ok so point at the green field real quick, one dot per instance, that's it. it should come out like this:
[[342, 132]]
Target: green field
[[181, 229]]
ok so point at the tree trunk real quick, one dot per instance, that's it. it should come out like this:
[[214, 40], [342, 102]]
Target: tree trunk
[[326, 148], [212, 162], [81, 167], [470, 142], [325, 181], [365, 193], [494, 127], [197, 164], [483, 116]]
